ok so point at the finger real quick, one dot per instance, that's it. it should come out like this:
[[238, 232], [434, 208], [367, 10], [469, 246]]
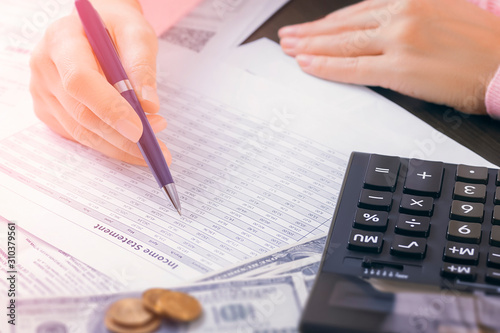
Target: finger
[[81, 79], [79, 133], [364, 70], [41, 111], [362, 7], [90, 120], [158, 123], [138, 47], [364, 15], [346, 44]]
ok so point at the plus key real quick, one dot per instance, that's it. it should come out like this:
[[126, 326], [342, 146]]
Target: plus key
[[424, 178]]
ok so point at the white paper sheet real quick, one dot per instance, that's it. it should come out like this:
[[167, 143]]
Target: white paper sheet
[[46, 271], [353, 117], [210, 32]]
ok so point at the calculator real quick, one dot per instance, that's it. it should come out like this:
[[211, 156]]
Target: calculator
[[410, 224]]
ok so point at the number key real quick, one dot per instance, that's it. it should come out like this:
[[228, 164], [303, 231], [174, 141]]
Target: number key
[[469, 192], [467, 211], [464, 232]]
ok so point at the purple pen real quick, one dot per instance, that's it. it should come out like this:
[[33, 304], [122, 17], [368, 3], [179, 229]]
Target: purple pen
[[105, 51]]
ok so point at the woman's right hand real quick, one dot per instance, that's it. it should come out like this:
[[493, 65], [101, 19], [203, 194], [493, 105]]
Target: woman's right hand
[[71, 94]]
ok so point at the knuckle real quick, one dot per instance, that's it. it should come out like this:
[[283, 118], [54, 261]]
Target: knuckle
[[72, 80], [144, 72], [79, 133], [321, 66], [352, 63], [305, 45], [80, 113]]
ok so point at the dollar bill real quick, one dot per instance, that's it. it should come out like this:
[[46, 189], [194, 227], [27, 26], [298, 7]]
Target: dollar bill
[[306, 268], [263, 265], [253, 305]]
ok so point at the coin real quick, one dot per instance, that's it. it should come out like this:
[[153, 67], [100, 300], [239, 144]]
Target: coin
[[147, 328], [179, 306], [150, 299], [129, 312]]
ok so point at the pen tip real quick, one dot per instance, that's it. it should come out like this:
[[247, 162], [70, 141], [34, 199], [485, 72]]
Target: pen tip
[[171, 193]]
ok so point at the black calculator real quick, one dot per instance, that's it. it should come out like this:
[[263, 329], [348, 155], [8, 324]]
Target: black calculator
[[410, 223]]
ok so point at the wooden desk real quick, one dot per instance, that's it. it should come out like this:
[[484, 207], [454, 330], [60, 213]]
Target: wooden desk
[[479, 133]]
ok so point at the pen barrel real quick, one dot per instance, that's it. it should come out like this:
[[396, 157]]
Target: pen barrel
[[148, 144]]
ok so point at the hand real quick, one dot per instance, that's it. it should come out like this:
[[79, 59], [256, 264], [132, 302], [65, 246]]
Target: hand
[[441, 51], [71, 94]]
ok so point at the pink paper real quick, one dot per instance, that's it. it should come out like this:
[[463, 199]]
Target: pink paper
[[162, 14]]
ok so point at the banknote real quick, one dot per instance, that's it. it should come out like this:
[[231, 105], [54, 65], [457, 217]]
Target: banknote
[[252, 305], [307, 268], [260, 266]]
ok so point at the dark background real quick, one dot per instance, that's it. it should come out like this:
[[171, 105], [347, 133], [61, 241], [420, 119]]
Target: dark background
[[481, 134]]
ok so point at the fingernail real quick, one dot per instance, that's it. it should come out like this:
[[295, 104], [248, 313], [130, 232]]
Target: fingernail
[[289, 42], [304, 60], [159, 124], [149, 93], [287, 31], [129, 129]]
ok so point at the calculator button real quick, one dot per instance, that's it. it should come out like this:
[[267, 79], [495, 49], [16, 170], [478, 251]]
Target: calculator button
[[464, 232], [496, 215], [469, 192], [462, 272], [370, 220], [424, 178], [408, 247], [495, 235], [360, 240], [467, 211], [382, 172], [461, 253], [412, 225], [498, 177], [375, 200], [494, 257], [492, 276], [497, 196], [472, 174], [412, 204]]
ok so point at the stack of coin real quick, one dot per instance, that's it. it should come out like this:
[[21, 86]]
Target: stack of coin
[[129, 316], [173, 305], [136, 315]]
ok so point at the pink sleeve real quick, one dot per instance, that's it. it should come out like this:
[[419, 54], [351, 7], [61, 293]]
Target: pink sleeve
[[492, 6], [492, 99]]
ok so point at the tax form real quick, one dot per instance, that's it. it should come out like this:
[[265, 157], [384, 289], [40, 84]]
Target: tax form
[[247, 186]]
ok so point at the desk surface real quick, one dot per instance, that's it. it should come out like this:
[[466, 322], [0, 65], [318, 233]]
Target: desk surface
[[481, 134]]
